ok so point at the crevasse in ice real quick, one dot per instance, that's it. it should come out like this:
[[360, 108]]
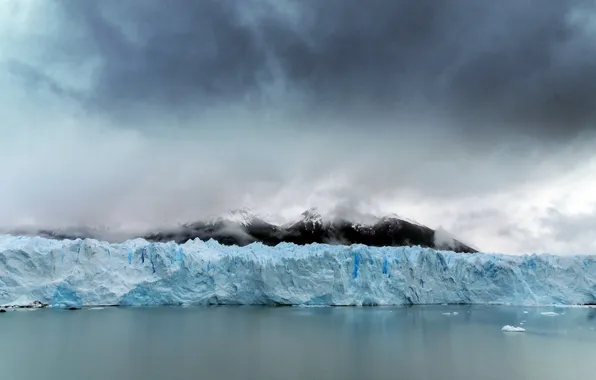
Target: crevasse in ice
[[136, 272]]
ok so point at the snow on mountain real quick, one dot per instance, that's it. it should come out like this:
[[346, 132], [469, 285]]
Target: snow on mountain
[[394, 216], [310, 219], [77, 273], [312, 216], [243, 217], [242, 227]]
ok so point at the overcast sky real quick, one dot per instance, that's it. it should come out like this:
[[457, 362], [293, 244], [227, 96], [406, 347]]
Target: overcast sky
[[475, 116]]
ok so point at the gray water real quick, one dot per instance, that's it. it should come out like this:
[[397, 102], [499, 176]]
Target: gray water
[[297, 343]]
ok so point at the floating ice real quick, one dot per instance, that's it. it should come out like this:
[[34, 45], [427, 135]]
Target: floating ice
[[508, 328], [92, 273], [549, 313]]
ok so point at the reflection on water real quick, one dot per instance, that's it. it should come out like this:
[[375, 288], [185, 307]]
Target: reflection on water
[[298, 343]]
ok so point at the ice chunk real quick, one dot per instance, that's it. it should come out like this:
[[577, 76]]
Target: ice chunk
[[78, 273], [25, 303], [549, 313], [508, 328]]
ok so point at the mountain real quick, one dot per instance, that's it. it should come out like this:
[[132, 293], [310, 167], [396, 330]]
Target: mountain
[[240, 227], [312, 228]]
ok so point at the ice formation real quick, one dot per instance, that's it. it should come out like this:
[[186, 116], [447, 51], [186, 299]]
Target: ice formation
[[77, 273], [508, 328]]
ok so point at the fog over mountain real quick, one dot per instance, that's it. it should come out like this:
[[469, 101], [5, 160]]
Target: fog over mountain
[[472, 118], [241, 228]]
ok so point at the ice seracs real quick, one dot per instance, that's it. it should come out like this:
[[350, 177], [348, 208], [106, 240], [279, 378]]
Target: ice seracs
[[75, 273]]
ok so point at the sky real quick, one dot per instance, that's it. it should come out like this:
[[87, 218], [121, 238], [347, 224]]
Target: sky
[[475, 117]]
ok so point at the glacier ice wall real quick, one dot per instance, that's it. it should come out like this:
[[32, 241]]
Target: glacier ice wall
[[89, 272]]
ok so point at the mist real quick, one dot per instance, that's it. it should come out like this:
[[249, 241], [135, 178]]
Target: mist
[[140, 114]]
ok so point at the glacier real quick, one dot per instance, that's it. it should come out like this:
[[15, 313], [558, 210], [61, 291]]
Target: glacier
[[76, 273]]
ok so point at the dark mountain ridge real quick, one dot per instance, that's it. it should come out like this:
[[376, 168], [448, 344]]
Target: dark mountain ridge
[[312, 228], [242, 228]]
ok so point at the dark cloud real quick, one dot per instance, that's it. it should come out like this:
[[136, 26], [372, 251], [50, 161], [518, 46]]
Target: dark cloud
[[37, 80], [526, 67]]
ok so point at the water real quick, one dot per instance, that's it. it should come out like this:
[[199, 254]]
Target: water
[[298, 343]]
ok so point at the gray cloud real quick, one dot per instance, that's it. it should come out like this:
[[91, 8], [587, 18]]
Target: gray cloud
[[548, 230], [576, 231], [167, 111], [507, 67]]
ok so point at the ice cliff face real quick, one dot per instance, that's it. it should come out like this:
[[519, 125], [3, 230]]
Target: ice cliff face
[[89, 272]]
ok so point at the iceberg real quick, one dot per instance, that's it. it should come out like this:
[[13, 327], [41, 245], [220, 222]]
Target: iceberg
[[508, 328], [76, 273]]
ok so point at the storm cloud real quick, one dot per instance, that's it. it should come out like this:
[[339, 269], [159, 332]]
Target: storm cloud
[[524, 66], [153, 111]]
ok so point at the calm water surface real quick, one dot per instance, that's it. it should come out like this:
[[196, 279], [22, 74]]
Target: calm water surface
[[298, 343]]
